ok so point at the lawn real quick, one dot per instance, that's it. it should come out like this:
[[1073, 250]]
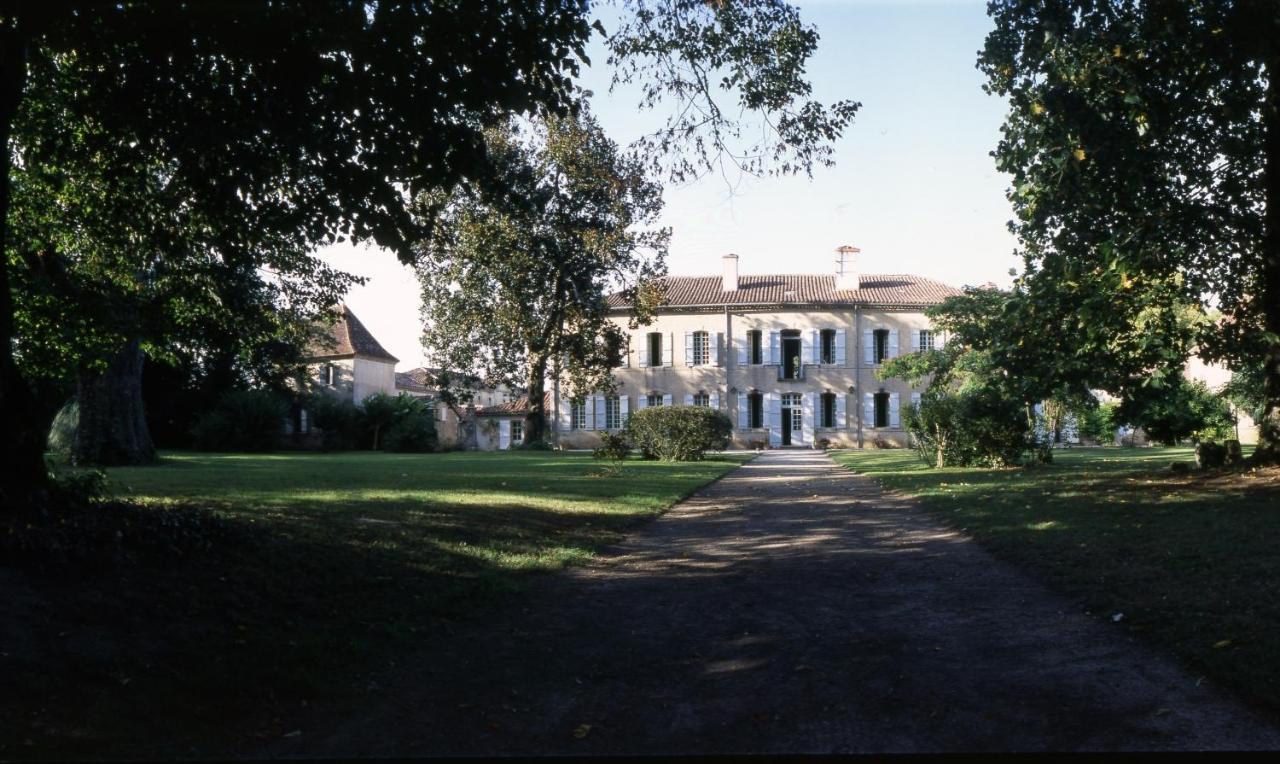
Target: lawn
[[315, 573], [1187, 562]]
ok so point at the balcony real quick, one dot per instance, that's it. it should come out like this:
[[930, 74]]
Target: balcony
[[793, 374]]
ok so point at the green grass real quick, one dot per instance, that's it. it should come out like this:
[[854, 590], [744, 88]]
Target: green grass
[[1191, 561], [324, 569]]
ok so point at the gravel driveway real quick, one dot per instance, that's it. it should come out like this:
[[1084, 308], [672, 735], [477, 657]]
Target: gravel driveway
[[789, 607]]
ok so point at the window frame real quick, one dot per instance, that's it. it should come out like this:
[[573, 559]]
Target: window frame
[[755, 347], [880, 346], [827, 410], [578, 415], [654, 348], [880, 410], [702, 399], [653, 400], [517, 431], [613, 412], [924, 345], [701, 348], [755, 410], [827, 346]]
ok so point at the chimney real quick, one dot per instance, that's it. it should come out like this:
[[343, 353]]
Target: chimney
[[730, 282], [846, 268]]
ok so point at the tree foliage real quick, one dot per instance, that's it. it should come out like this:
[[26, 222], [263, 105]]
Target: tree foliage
[[1174, 412], [517, 290], [679, 433], [1143, 140]]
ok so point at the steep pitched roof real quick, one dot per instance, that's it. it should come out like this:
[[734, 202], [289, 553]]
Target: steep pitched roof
[[881, 290], [428, 378], [348, 338]]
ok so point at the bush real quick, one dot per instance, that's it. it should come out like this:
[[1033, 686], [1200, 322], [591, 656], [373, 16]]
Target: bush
[[679, 433], [409, 417], [1099, 423], [62, 434], [1173, 412], [414, 432], [613, 446], [1210, 455], [338, 420], [243, 420], [972, 426]]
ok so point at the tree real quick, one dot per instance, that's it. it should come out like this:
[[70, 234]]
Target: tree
[[517, 291], [1174, 412], [1144, 143]]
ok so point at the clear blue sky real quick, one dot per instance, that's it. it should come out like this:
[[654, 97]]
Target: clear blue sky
[[913, 186]]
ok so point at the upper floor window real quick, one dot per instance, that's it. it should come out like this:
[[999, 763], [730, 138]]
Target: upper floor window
[[328, 375], [926, 340], [655, 349], [578, 415], [701, 348], [701, 399], [827, 414], [881, 340], [612, 413], [755, 349], [827, 350]]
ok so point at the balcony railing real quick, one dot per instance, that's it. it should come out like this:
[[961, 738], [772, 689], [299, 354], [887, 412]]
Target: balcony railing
[[797, 374]]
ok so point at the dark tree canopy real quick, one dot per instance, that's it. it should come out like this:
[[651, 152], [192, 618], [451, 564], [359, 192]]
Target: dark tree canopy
[[1144, 143]]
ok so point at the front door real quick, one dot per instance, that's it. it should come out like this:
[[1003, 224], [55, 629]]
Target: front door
[[786, 426], [792, 419]]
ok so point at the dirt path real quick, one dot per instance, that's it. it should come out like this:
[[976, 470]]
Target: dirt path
[[790, 607]]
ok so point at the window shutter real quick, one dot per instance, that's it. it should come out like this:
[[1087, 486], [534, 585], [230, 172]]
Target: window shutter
[[939, 339], [814, 352], [915, 399], [915, 340], [775, 351], [589, 413], [869, 409], [626, 352], [566, 414], [893, 343], [773, 417], [809, 410], [304, 423], [841, 417], [744, 412], [744, 347], [666, 399], [715, 401], [716, 340], [688, 399], [642, 358], [868, 347], [840, 357], [624, 405], [642, 401], [504, 434], [688, 348], [894, 419], [668, 349], [600, 412]]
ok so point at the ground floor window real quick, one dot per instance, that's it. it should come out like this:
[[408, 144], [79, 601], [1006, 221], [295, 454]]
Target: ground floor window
[[578, 415], [517, 431], [701, 399], [882, 409], [755, 409], [655, 400], [612, 413], [827, 417]]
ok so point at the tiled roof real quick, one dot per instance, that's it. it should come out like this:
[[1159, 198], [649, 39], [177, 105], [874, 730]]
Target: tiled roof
[[347, 338], [427, 378], [883, 290], [411, 382], [516, 407]]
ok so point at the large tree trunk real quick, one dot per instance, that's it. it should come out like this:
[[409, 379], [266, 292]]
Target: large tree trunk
[[535, 422], [113, 422], [1269, 428], [26, 419]]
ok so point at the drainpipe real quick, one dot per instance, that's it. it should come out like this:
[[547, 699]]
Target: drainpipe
[[730, 357], [857, 367]]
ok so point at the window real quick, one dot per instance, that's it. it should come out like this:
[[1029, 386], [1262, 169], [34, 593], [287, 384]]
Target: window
[[655, 348], [622, 350], [701, 348], [701, 399], [882, 409], [328, 375], [828, 354], [304, 424], [655, 400], [795, 402], [926, 340], [517, 431], [612, 413], [827, 415], [881, 337], [578, 415], [755, 409], [755, 352]]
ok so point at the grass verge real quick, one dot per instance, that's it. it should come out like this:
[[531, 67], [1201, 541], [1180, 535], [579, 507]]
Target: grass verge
[[314, 573], [1189, 560]]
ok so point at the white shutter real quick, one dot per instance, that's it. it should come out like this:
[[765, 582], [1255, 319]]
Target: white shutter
[[915, 399], [744, 412], [668, 349], [868, 347], [600, 412], [841, 416], [773, 418], [915, 341], [893, 343], [566, 414], [840, 357], [504, 434], [642, 357], [716, 340], [626, 351], [744, 347], [715, 401], [588, 413], [624, 405], [688, 348], [809, 409], [642, 402], [666, 399], [775, 350], [869, 409], [809, 352], [939, 339], [688, 399], [894, 419]]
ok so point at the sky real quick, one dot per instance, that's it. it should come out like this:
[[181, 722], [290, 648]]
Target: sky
[[913, 186]]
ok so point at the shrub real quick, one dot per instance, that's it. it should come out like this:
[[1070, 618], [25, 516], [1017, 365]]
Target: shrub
[[1210, 455], [1099, 423], [62, 434], [679, 433], [613, 446], [338, 420], [1173, 412], [414, 432], [973, 426], [243, 420]]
